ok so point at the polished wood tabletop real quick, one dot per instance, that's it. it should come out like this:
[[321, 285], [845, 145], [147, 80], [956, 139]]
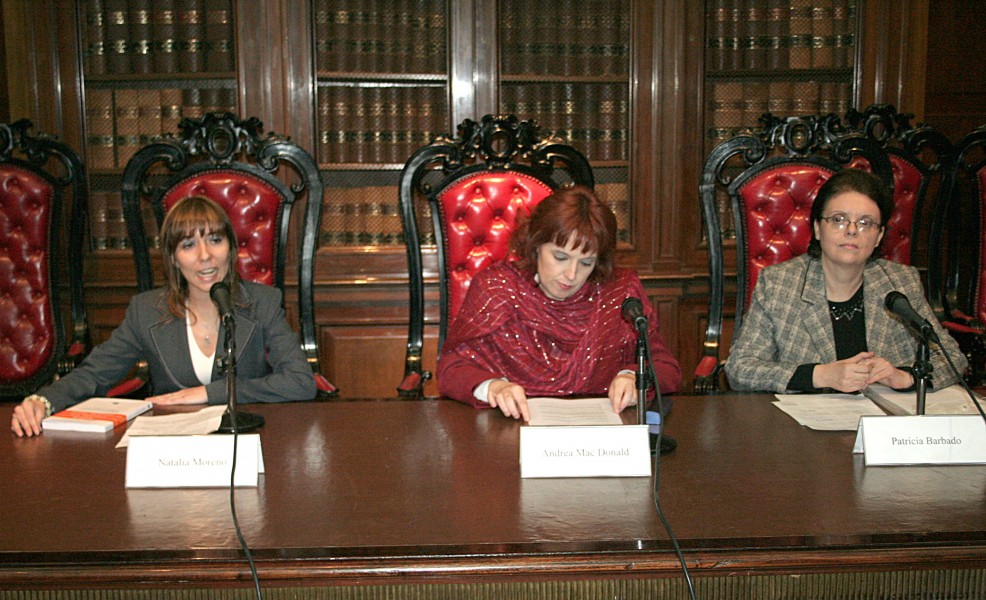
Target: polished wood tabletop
[[363, 489]]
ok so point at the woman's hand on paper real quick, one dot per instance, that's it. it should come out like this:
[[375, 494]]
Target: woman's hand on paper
[[510, 398], [623, 391]]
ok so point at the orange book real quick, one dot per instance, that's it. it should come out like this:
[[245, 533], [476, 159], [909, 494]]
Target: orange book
[[96, 415]]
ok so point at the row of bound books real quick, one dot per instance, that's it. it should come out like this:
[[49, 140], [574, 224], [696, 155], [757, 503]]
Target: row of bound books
[[780, 34], [107, 227], [369, 216], [381, 36], [736, 106], [593, 117], [382, 124], [573, 38], [121, 121], [158, 36]]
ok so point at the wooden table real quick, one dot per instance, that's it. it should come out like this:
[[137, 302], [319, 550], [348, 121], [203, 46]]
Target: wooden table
[[418, 499]]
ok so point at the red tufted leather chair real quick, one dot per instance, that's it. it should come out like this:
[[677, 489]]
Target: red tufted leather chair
[[42, 182], [956, 255], [227, 160], [476, 186], [916, 156], [769, 179]]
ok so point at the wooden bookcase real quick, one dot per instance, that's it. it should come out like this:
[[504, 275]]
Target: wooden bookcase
[[361, 83]]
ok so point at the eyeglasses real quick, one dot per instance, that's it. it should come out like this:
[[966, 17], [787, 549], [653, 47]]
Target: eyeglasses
[[842, 222]]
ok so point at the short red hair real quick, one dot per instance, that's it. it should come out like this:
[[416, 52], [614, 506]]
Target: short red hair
[[571, 211]]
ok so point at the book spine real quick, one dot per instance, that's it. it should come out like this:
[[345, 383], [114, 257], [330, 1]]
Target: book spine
[[210, 100], [228, 101], [163, 35], [777, 40], [151, 231], [735, 29], [727, 111], [358, 132], [804, 98], [191, 103], [116, 228], [779, 98], [127, 116], [189, 34], [392, 126], [218, 43], [141, 43], [822, 35], [95, 37], [98, 232], [799, 25], [116, 26], [843, 28], [437, 33], [352, 225], [332, 233], [407, 97], [100, 142], [323, 36], [828, 98], [754, 104], [148, 115], [171, 110], [509, 39], [755, 44], [392, 229], [718, 26]]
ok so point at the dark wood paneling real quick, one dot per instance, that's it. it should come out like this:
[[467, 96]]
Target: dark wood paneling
[[956, 74]]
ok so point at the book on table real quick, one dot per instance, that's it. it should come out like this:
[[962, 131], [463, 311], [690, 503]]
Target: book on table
[[96, 415]]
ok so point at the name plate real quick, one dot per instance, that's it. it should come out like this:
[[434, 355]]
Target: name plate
[[168, 461], [922, 440], [585, 451]]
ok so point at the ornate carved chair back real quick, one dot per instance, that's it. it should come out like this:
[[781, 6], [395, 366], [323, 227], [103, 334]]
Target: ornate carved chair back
[[916, 155], [42, 184]]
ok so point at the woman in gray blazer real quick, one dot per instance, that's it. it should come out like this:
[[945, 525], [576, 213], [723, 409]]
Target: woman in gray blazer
[[818, 321], [177, 331]]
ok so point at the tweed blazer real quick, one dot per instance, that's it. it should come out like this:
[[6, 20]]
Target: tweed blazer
[[270, 366], [788, 325]]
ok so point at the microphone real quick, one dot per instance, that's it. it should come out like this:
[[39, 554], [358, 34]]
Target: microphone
[[220, 294], [633, 312], [898, 304]]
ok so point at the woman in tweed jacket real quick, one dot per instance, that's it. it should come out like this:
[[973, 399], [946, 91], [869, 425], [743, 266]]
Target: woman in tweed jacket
[[818, 321]]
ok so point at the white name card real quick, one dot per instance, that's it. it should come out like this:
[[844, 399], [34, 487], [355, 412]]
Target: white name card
[[166, 461], [922, 440], [585, 451]]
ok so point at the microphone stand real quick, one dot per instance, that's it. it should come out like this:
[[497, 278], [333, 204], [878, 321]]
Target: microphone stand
[[922, 373], [233, 421], [642, 372]]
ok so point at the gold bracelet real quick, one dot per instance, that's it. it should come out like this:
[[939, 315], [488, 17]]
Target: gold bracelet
[[39, 398]]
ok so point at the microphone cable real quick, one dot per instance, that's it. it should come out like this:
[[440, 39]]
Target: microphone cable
[[657, 474], [232, 509], [962, 381]]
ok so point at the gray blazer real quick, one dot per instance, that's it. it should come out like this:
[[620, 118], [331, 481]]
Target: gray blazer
[[788, 324], [270, 366]]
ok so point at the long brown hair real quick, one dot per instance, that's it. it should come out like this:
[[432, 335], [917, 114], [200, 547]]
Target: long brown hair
[[574, 210], [191, 215]]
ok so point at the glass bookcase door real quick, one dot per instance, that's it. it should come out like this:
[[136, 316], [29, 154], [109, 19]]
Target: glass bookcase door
[[568, 69], [146, 65], [381, 93]]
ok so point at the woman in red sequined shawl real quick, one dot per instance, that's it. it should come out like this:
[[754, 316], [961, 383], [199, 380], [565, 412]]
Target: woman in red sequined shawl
[[548, 321]]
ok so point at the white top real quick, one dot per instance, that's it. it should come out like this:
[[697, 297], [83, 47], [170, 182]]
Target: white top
[[201, 362]]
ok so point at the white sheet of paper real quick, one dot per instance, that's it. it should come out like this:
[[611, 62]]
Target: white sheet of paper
[[568, 411], [199, 422], [827, 412], [953, 400]]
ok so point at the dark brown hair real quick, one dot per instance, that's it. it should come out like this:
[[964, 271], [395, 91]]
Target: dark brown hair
[[195, 214], [850, 180], [574, 210]]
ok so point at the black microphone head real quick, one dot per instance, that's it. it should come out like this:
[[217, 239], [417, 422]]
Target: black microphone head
[[217, 290], [632, 306], [892, 299]]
